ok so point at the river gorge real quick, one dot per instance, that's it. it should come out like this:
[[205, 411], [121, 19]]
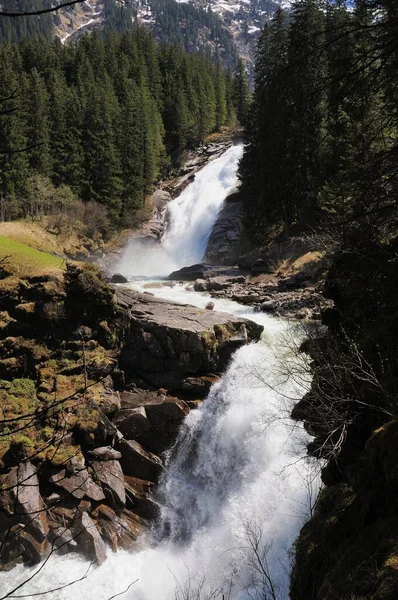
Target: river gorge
[[237, 485]]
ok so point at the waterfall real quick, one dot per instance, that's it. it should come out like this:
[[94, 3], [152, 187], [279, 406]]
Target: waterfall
[[192, 215], [190, 219], [237, 475], [237, 468]]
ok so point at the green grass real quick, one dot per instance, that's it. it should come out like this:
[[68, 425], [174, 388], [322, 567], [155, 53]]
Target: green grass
[[24, 260]]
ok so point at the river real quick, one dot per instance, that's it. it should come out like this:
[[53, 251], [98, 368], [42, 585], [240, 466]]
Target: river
[[237, 486]]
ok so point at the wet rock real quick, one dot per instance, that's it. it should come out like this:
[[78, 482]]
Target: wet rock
[[89, 540], [32, 550], [216, 284], [62, 540], [110, 475], [198, 386], [104, 453], [191, 273], [224, 241], [200, 285], [79, 484], [245, 298], [193, 404], [139, 463], [119, 531], [139, 497], [118, 278], [209, 306], [166, 342], [268, 306]]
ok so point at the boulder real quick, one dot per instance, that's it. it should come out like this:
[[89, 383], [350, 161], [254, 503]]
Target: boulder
[[119, 531], [132, 421], [198, 386], [31, 549], [110, 475], [245, 298], [200, 285], [152, 418], [104, 453], [139, 463], [20, 497], [118, 278], [191, 273], [79, 484], [217, 284], [209, 306], [139, 497], [166, 342], [89, 540], [268, 306]]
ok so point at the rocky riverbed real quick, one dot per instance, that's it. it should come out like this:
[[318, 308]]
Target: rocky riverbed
[[298, 296]]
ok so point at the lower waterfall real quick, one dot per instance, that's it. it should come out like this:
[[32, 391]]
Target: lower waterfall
[[236, 476]]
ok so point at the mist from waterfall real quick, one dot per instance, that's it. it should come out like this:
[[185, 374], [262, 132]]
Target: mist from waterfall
[[189, 221]]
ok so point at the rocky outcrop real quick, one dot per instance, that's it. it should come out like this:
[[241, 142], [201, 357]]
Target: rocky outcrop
[[165, 343], [223, 247]]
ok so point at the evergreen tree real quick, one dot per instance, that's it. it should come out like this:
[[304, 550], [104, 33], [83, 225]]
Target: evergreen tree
[[241, 93]]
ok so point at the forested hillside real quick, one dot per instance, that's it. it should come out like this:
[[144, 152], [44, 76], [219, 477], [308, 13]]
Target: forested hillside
[[193, 27], [323, 128], [321, 160], [106, 117]]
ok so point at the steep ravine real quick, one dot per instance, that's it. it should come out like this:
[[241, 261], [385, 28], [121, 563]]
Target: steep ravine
[[113, 377]]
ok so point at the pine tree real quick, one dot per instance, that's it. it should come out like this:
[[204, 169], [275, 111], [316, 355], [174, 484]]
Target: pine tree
[[241, 93], [38, 130]]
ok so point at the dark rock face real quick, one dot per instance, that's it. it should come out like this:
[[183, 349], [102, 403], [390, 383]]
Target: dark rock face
[[90, 542], [137, 462], [167, 342], [139, 497], [223, 247], [78, 484], [110, 475], [118, 278]]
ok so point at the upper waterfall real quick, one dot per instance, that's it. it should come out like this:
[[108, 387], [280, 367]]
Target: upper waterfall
[[192, 215], [190, 219]]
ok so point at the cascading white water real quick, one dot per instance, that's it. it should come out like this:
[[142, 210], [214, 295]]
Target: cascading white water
[[190, 219], [237, 465], [236, 476]]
